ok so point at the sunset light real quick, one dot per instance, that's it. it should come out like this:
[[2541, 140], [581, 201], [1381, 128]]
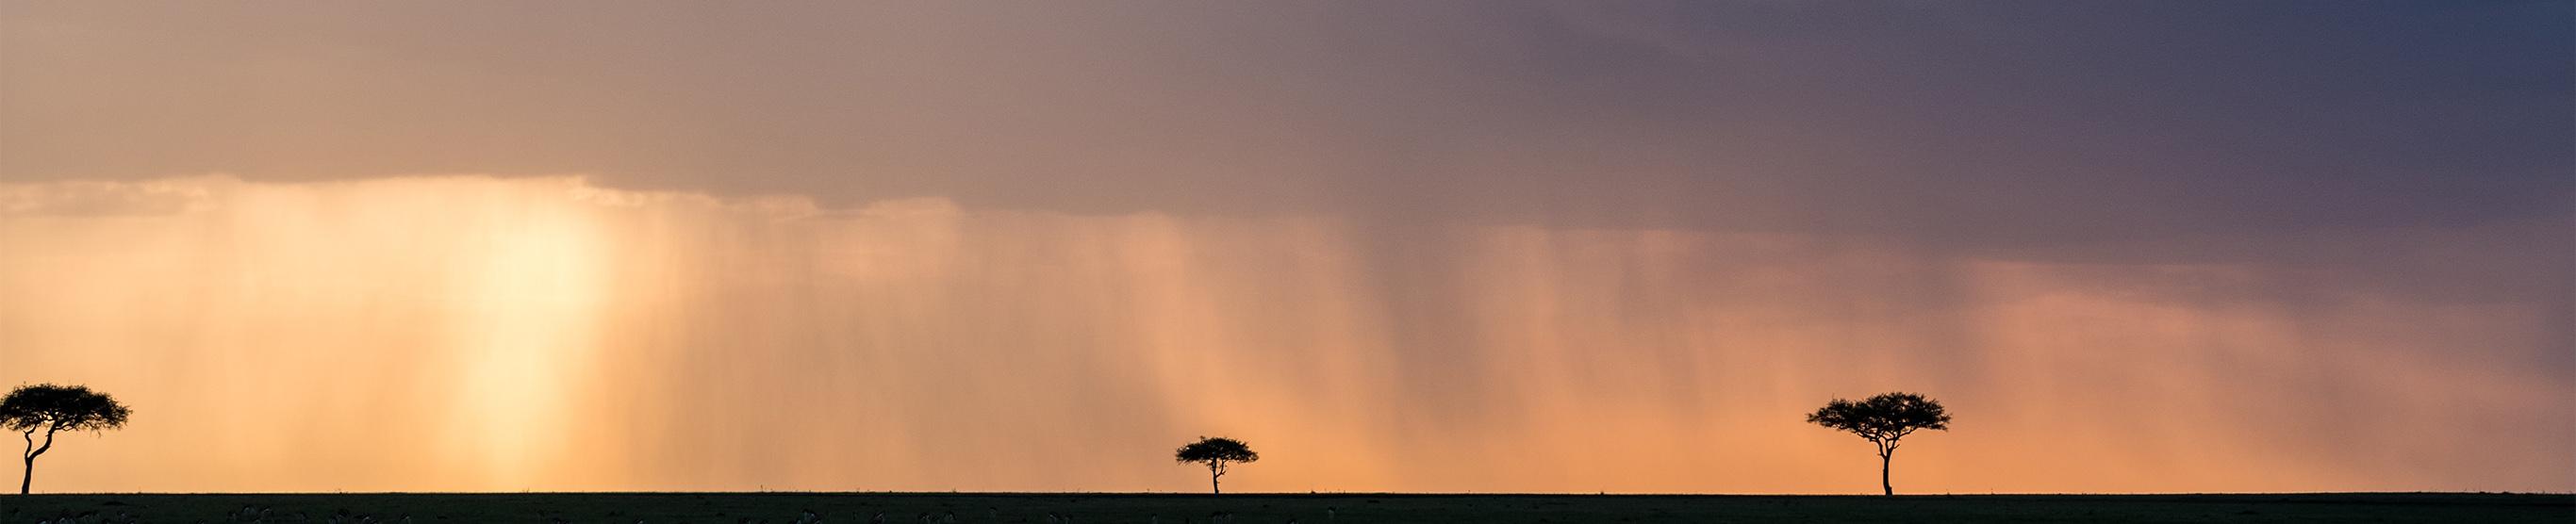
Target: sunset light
[[1514, 254]]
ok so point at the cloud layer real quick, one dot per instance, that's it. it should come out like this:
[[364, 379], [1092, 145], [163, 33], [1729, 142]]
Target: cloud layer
[[2000, 123]]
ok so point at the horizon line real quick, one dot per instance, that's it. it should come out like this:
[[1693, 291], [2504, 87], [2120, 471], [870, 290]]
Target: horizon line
[[1312, 493]]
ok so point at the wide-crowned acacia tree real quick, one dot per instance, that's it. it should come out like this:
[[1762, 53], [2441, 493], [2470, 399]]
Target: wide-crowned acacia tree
[[55, 409], [1883, 419], [1215, 453]]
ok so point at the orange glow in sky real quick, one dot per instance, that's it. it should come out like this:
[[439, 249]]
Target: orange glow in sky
[[498, 334]]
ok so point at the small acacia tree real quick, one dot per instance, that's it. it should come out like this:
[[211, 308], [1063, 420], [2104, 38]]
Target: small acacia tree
[[54, 409], [1883, 419], [1215, 453]]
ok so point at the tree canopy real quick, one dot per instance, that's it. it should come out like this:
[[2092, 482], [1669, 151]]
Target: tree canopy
[[61, 408], [1216, 450], [1884, 418]]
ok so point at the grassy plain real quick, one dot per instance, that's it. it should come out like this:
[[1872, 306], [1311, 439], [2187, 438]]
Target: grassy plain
[[917, 508]]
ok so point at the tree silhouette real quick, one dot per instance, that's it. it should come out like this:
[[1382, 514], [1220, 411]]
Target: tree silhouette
[[56, 408], [1883, 419], [1216, 452]]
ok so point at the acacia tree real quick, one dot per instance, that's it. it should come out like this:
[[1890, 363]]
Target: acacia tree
[[54, 409], [1215, 453], [1883, 419]]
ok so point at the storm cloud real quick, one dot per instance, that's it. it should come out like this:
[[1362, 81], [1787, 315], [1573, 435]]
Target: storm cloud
[[1986, 123]]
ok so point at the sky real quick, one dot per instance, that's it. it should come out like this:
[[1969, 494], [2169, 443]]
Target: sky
[[1421, 246]]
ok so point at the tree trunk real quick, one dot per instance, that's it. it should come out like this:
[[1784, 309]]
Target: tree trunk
[[1884, 487], [27, 477]]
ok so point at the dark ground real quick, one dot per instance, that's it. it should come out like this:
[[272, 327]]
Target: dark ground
[[914, 508]]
